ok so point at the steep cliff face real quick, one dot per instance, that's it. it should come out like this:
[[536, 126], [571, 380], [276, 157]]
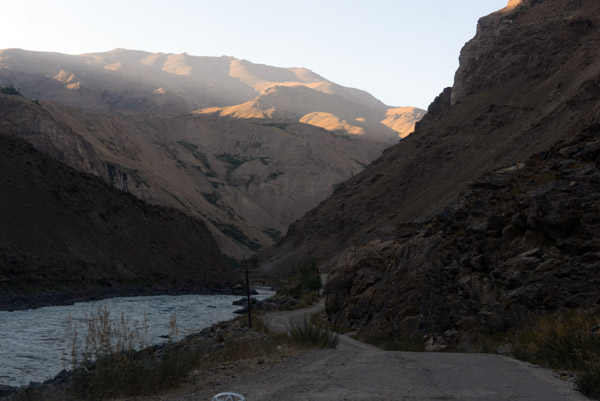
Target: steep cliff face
[[520, 239], [66, 235], [530, 77]]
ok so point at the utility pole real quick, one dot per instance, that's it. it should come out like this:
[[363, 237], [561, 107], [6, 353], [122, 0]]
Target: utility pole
[[248, 297], [247, 270]]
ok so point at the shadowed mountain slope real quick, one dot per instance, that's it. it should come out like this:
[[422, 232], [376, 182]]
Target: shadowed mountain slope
[[521, 242], [529, 78], [66, 235], [246, 180]]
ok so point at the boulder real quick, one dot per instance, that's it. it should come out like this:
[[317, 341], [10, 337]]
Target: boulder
[[5, 391]]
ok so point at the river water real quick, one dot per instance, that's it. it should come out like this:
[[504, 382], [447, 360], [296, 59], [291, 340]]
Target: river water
[[35, 343]]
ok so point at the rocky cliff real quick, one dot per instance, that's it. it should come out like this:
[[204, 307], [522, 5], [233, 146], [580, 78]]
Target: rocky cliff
[[522, 240], [66, 235], [529, 78], [488, 211]]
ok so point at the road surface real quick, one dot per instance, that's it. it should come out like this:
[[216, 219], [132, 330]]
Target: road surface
[[357, 371]]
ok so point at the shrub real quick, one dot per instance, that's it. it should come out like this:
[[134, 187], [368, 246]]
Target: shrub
[[308, 335], [10, 90], [565, 341], [301, 289], [310, 279], [108, 364]]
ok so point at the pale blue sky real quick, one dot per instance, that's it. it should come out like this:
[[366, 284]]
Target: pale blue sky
[[404, 52]]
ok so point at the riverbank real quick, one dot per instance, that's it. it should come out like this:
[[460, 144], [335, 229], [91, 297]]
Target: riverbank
[[21, 301], [354, 371], [204, 358]]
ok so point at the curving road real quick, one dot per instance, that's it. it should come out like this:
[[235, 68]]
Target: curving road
[[357, 371]]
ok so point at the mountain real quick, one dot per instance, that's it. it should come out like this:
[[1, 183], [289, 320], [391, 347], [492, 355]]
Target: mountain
[[127, 80], [140, 121], [522, 241], [246, 180], [405, 256], [66, 235], [301, 102]]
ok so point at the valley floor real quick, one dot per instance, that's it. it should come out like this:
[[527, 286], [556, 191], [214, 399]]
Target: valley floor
[[357, 371]]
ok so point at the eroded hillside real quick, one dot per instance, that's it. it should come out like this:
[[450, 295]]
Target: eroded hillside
[[246, 180], [65, 235], [132, 118], [137, 81]]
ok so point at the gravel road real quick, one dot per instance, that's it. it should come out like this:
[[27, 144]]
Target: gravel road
[[357, 371]]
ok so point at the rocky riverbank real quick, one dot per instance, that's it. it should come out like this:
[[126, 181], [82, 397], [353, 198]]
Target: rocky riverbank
[[211, 343]]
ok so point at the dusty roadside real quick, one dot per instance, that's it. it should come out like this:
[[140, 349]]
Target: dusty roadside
[[357, 371]]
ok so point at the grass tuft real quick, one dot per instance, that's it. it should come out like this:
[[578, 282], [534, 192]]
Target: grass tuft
[[566, 341], [112, 360], [309, 335], [107, 362]]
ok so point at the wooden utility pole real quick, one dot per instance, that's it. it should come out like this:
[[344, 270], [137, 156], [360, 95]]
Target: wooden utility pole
[[247, 270], [248, 297]]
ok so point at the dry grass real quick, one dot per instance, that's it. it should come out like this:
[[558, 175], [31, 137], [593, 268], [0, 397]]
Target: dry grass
[[113, 358], [310, 335], [107, 361], [566, 341]]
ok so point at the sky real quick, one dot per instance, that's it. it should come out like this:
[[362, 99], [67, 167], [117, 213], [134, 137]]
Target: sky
[[404, 52]]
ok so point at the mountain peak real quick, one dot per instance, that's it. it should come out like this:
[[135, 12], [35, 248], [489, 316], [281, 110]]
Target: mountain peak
[[512, 4]]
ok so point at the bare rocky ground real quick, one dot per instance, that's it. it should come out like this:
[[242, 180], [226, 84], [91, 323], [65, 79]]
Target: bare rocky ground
[[357, 371]]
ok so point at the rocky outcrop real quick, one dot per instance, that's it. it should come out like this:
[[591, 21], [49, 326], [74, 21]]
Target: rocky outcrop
[[522, 240], [529, 78], [66, 235]]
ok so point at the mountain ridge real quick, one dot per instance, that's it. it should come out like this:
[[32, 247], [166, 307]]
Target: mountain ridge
[[164, 82], [110, 113], [246, 180]]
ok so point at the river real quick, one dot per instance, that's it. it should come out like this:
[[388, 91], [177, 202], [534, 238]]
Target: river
[[35, 344]]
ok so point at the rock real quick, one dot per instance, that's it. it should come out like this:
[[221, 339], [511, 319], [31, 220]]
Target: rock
[[506, 349], [466, 276], [436, 344], [5, 391], [244, 301], [451, 336]]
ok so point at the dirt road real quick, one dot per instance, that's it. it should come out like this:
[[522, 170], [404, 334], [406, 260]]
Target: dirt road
[[357, 371]]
